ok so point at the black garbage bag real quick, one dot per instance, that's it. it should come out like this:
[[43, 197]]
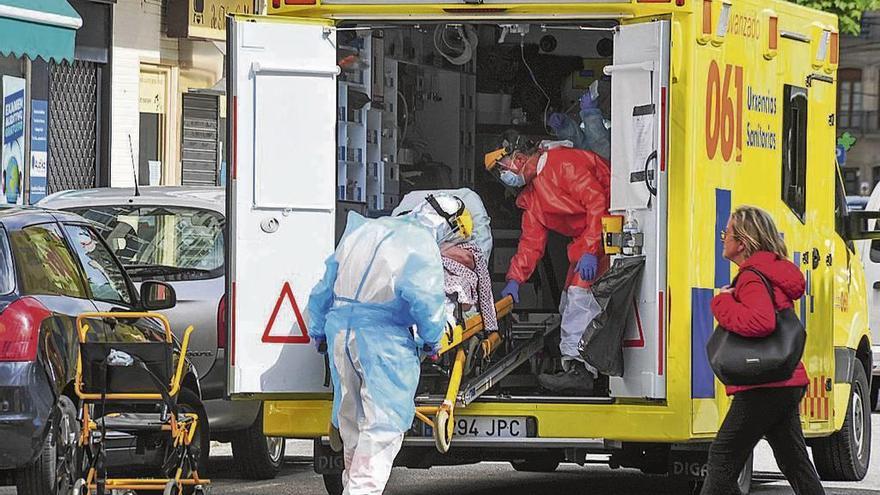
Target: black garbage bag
[[602, 343]]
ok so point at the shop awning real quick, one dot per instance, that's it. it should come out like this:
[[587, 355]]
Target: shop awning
[[38, 29]]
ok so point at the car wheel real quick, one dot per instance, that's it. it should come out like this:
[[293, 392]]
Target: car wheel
[[875, 392], [59, 464], [259, 457], [845, 455]]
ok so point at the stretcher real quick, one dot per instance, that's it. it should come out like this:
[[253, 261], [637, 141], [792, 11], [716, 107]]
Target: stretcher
[[111, 374], [458, 340]]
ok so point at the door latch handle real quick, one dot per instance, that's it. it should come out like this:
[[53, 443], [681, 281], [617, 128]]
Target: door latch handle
[[816, 259]]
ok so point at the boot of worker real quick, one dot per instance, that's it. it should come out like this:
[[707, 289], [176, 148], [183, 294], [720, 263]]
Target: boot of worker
[[576, 379]]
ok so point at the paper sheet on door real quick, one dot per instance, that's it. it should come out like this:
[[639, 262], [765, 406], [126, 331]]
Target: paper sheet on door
[[643, 145]]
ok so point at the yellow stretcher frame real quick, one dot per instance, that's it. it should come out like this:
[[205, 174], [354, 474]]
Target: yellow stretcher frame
[[182, 432], [443, 422]]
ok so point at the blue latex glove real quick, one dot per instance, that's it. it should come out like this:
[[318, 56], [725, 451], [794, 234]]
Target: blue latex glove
[[556, 121], [512, 290], [587, 266], [587, 101], [432, 350], [320, 344]]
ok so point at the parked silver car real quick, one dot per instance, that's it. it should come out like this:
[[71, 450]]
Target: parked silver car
[[176, 235]]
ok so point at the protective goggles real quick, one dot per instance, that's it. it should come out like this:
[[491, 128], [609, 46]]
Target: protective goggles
[[461, 223]]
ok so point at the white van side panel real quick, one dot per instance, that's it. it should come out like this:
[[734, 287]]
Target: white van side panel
[[281, 198]]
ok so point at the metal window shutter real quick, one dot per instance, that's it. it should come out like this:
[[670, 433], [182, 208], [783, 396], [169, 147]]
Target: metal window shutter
[[73, 125], [199, 150]]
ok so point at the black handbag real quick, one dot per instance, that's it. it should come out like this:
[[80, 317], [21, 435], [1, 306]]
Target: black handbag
[[738, 360]]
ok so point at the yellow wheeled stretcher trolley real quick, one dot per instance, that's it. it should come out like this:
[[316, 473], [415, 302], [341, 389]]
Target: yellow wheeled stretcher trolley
[[113, 376], [467, 352]]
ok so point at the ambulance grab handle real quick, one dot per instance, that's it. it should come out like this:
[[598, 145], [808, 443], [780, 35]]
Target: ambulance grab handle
[[646, 66], [258, 68]]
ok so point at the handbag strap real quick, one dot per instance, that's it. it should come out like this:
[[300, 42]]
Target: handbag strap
[[764, 279]]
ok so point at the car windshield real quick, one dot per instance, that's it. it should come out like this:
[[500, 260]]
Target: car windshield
[[175, 242]]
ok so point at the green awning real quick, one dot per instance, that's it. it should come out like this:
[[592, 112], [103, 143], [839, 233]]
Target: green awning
[[38, 29]]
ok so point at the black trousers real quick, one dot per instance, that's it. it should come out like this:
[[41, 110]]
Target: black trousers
[[754, 414]]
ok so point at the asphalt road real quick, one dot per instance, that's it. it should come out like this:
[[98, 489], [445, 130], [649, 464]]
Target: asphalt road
[[297, 477], [500, 479]]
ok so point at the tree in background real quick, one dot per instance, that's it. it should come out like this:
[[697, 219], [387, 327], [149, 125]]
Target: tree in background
[[849, 11]]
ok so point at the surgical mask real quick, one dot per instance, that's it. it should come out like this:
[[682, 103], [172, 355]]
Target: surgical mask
[[512, 179]]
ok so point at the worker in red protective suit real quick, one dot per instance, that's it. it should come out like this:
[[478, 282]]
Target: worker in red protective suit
[[564, 190]]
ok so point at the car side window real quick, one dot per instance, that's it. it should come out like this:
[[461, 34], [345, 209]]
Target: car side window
[[875, 251], [45, 264], [7, 272], [103, 273]]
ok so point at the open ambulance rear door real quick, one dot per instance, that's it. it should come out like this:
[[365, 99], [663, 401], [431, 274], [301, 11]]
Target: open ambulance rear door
[[640, 83], [280, 198]]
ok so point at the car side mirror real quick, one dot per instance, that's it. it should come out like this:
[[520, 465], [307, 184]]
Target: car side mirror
[[157, 296], [859, 226]]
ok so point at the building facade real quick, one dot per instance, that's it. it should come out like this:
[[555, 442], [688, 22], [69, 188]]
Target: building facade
[[55, 68], [858, 105], [169, 109]]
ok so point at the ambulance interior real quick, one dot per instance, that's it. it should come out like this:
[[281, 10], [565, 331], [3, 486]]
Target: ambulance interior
[[420, 105]]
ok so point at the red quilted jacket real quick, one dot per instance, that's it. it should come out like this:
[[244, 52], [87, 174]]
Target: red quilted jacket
[[749, 311]]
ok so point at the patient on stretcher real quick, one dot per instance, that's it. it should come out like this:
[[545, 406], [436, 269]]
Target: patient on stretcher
[[468, 285], [466, 265]]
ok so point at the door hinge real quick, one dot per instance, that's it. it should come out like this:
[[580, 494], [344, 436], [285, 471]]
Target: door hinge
[[828, 385], [829, 260], [816, 258]]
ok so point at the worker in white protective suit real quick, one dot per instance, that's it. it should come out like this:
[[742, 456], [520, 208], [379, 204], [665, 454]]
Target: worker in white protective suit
[[385, 276]]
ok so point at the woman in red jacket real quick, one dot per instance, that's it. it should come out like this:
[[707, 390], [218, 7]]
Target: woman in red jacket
[[768, 410]]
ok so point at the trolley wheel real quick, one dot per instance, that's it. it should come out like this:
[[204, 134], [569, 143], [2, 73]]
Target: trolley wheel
[[442, 431], [201, 490], [171, 488], [78, 487], [333, 483]]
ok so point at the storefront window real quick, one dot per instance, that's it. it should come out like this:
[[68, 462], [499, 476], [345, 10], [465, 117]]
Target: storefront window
[[152, 105], [14, 125]]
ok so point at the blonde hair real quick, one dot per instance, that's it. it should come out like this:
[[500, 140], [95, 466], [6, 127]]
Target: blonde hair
[[754, 228]]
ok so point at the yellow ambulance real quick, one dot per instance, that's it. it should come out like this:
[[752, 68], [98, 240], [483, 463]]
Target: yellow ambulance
[[338, 105]]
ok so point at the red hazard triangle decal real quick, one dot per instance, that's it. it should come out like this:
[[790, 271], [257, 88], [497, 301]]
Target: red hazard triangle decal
[[290, 337]]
